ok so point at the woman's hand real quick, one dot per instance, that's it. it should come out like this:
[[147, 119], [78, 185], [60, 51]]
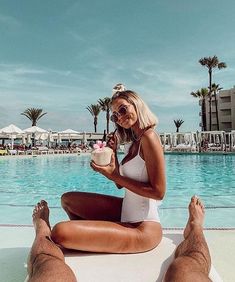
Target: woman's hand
[[112, 141], [109, 170]]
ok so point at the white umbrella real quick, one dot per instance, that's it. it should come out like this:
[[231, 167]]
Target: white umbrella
[[174, 140], [23, 139], [42, 136], [217, 140], [50, 137], [29, 139], [84, 138], [35, 129], [11, 130], [59, 138], [68, 132], [164, 139]]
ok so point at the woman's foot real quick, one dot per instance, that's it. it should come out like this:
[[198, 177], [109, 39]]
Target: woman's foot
[[196, 215], [41, 218]]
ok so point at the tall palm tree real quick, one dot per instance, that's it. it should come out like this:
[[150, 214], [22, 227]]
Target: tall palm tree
[[211, 63], [178, 123], [33, 114], [105, 105], [215, 88], [202, 94], [94, 110]]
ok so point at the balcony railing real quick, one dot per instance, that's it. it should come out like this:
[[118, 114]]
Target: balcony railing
[[224, 106], [225, 119]]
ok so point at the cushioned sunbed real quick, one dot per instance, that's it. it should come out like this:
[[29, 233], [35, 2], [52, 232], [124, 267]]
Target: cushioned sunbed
[[145, 267]]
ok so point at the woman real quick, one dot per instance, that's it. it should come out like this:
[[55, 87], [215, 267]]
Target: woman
[[101, 223]]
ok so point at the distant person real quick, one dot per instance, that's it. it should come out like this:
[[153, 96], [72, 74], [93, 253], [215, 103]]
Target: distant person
[[103, 223], [91, 143], [192, 259]]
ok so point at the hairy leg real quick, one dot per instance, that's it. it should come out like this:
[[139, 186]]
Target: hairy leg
[[192, 258], [91, 206], [46, 260], [107, 236]]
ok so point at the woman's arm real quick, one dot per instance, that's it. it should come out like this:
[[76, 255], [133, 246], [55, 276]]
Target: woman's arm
[[155, 164]]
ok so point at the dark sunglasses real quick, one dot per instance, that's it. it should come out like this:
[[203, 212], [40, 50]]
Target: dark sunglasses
[[121, 112]]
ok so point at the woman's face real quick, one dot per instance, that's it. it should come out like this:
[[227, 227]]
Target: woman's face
[[124, 112]]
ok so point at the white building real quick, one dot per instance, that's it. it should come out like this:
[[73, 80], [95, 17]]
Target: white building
[[226, 111]]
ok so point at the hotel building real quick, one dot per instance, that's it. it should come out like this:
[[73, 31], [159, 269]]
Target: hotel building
[[226, 111]]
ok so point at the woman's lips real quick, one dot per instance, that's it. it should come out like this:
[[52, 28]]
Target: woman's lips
[[125, 120]]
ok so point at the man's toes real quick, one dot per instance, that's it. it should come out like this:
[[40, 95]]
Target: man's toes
[[43, 203], [199, 202], [194, 199], [201, 205], [35, 209]]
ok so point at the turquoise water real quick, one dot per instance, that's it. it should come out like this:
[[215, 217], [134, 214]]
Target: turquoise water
[[26, 180]]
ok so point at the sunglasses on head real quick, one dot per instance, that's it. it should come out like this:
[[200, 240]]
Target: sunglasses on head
[[121, 112]]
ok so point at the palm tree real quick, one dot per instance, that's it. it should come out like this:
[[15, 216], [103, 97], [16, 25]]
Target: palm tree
[[211, 63], [105, 105], [33, 114], [178, 124], [202, 94], [215, 89], [94, 110]]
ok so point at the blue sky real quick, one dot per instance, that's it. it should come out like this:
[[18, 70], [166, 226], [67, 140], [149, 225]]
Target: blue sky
[[63, 55]]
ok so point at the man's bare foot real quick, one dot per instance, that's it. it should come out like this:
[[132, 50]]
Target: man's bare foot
[[41, 217], [196, 215]]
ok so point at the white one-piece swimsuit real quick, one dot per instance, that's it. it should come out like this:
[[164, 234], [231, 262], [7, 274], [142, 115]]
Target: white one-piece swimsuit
[[136, 208]]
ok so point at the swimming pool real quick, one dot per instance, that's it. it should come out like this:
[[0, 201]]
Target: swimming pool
[[26, 180]]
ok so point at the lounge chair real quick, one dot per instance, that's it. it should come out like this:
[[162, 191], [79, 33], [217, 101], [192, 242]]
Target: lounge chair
[[12, 152], [42, 150], [3, 152]]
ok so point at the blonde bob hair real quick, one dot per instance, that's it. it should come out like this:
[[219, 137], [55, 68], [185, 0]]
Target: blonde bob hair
[[146, 118]]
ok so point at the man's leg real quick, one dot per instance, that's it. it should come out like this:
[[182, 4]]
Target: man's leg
[[192, 258], [46, 261]]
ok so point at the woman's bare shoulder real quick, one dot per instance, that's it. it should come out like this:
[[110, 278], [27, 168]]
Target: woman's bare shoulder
[[151, 141], [150, 135]]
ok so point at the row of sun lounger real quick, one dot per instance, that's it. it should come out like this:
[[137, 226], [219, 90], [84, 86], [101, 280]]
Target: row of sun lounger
[[194, 148], [39, 151]]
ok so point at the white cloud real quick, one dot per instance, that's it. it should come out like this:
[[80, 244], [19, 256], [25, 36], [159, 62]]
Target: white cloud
[[157, 84], [9, 21], [25, 77], [66, 93]]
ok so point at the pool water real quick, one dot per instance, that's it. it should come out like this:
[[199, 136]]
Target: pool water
[[27, 180]]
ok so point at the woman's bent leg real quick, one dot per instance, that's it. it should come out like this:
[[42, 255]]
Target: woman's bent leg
[[106, 236], [91, 206]]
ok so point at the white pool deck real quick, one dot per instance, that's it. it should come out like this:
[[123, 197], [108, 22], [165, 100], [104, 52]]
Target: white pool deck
[[15, 243]]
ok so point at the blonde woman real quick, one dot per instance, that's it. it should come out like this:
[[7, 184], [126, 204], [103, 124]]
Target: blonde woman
[[102, 223]]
